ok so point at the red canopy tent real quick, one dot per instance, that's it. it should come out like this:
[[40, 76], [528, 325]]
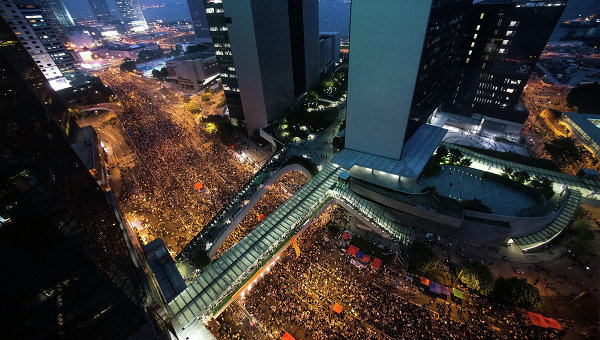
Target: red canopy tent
[[337, 308], [366, 258], [425, 281], [537, 320], [287, 336], [345, 236], [352, 250], [198, 186], [552, 323], [260, 217], [376, 263]]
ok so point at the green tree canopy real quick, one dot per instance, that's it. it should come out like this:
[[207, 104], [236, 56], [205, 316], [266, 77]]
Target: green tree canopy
[[422, 259], [565, 151], [477, 276], [515, 292]]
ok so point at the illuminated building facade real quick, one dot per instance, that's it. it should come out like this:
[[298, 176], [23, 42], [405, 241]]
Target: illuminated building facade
[[132, 15], [30, 24]]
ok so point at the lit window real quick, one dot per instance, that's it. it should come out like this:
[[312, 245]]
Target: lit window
[[210, 10], [468, 59], [504, 42], [502, 50], [513, 23], [478, 27], [475, 36], [470, 52], [473, 44], [510, 90], [510, 33], [481, 16]]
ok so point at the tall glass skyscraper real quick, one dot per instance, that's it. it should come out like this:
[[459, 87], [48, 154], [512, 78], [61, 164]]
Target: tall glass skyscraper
[[132, 15], [67, 270], [199, 21], [100, 10]]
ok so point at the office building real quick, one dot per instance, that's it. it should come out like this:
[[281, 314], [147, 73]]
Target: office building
[[60, 11], [100, 10], [329, 51], [199, 21], [502, 44], [268, 53], [67, 269], [30, 24], [441, 54], [190, 71], [131, 15], [382, 81]]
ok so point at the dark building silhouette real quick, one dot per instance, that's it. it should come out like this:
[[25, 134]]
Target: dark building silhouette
[[502, 43], [68, 272], [199, 21], [101, 10]]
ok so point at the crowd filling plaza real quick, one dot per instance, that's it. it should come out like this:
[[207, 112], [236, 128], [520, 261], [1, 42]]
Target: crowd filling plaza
[[324, 292]]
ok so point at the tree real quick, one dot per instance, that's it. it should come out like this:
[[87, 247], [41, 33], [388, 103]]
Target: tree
[[566, 151], [543, 185], [192, 107], [185, 99], [206, 97], [455, 156], [515, 292], [201, 259], [221, 102], [477, 276], [508, 172], [441, 152], [466, 162], [477, 205], [422, 260], [521, 177], [581, 236], [127, 65], [585, 98], [338, 143], [160, 74]]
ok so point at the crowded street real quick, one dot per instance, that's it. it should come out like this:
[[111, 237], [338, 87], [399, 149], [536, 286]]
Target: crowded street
[[179, 175]]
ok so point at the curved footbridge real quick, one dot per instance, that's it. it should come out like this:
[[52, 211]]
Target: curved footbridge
[[228, 273]]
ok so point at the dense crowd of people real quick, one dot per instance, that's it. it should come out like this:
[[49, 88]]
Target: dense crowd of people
[[297, 295], [162, 190], [279, 192]]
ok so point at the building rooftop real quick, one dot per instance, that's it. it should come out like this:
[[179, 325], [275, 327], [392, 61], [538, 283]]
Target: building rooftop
[[415, 154], [168, 277], [589, 123], [82, 141]]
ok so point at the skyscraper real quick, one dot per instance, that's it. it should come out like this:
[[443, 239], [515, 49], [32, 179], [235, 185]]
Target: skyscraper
[[67, 269], [31, 25], [385, 53], [100, 10], [268, 52], [59, 10], [132, 15], [199, 21], [503, 42]]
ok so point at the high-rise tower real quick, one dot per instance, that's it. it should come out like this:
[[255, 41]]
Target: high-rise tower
[[100, 10], [268, 52], [132, 15], [199, 21], [31, 25]]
